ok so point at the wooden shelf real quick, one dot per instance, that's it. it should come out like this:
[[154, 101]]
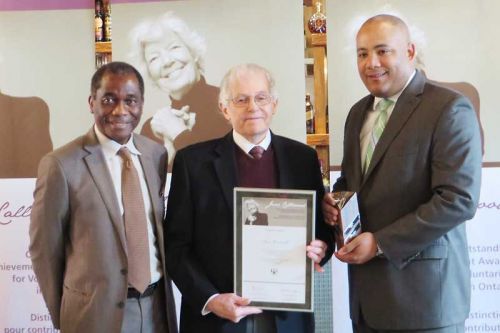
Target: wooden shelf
[[318, 39], [102, 47], [315, 52], [318, 139]]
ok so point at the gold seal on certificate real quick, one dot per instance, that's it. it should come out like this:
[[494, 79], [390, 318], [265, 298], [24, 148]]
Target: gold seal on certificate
[[272, 228]]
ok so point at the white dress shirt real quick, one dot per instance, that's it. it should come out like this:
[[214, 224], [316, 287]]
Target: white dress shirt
[[246, 145]]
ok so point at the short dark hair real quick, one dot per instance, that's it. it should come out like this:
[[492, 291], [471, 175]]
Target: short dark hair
[[118, 68]]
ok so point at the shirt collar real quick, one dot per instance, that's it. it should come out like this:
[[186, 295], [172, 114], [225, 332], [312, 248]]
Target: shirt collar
[[111, 147], [395, 97], [246, 145]]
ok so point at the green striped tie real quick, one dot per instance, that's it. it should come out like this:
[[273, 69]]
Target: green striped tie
[[382, 107]]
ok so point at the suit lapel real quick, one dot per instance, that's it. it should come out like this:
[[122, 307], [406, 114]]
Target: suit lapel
[[225, 167], [355, 144], [285, 178], [405, 106], [102, 179]]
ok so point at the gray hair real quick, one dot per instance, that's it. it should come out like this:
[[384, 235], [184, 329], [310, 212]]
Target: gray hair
[[238, 70], [153, 30], [252, 202]]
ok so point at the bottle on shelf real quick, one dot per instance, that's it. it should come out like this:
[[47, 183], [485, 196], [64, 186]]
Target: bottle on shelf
[[317, 22], [102, 59], [99, 22], [107, 23], [309, 115]]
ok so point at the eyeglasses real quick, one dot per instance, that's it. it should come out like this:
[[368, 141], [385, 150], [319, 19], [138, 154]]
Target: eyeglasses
[[244, 100]]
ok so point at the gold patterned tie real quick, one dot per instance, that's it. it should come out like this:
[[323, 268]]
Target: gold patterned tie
[[136, 230], [256, 152], [378, 128]]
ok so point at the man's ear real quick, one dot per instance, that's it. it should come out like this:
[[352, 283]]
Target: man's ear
[[275, 106], [411, 50], [91, 104], [223, 110]]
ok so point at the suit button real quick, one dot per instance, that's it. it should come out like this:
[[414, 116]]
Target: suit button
[[121, 305], [124, 271]]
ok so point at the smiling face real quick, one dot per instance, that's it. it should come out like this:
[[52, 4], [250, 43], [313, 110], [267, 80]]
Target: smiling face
[[171, 65], [252, 208], [251, 121], [117, 106], [385, 56]]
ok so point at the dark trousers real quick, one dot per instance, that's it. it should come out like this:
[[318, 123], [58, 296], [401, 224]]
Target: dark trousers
[[261, 323]]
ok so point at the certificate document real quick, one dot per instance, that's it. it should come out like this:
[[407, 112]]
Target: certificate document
[[272, 228]]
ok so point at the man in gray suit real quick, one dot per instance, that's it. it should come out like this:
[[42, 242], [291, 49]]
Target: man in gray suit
[[85, 260], [415, 162]]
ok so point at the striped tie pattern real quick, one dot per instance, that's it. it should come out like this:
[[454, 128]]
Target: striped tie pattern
[[382, 107], [136, 229]]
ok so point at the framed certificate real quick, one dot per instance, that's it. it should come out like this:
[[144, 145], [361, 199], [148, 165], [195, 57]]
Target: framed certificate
[[272, 228]]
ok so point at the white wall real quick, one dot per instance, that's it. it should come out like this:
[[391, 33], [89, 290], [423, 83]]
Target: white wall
[[49, 54]]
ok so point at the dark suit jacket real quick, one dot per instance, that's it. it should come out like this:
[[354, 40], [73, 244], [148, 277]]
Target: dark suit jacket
[[77, 237], [199, 225], [422, 184], [260, 219]]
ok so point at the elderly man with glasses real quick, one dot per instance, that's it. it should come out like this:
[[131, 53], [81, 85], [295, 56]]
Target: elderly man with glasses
[[199, 221]]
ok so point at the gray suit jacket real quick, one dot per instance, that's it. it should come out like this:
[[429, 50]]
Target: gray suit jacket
[[422, 184], [77, 235]]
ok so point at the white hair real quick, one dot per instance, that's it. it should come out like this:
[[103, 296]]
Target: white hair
[[154, 29], [251, 202], [236, 71]]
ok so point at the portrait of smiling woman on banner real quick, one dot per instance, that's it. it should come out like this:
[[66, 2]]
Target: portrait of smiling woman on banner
[[171, 55]]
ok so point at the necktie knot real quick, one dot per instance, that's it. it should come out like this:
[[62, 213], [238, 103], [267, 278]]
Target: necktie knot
[[256, 152], [124, 153], [383, 105]]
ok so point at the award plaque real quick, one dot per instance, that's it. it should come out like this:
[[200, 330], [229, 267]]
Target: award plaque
[[349, 224], [272, 228]]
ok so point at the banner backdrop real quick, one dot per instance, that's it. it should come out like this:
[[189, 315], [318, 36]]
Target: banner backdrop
[[21, 307]]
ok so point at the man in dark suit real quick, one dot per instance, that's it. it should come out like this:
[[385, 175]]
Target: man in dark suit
[[254, 216], [199, 222], [417, 174], [94, 274]]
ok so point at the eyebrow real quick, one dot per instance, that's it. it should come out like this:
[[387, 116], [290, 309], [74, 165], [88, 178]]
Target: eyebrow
[[378, 46]]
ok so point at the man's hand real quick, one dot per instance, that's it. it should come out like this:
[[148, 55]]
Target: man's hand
[[359, 250], [330, 209], [316, 252], [232, 307]]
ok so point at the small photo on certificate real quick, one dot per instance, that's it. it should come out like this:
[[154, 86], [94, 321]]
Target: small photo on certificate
[[272, 229]]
